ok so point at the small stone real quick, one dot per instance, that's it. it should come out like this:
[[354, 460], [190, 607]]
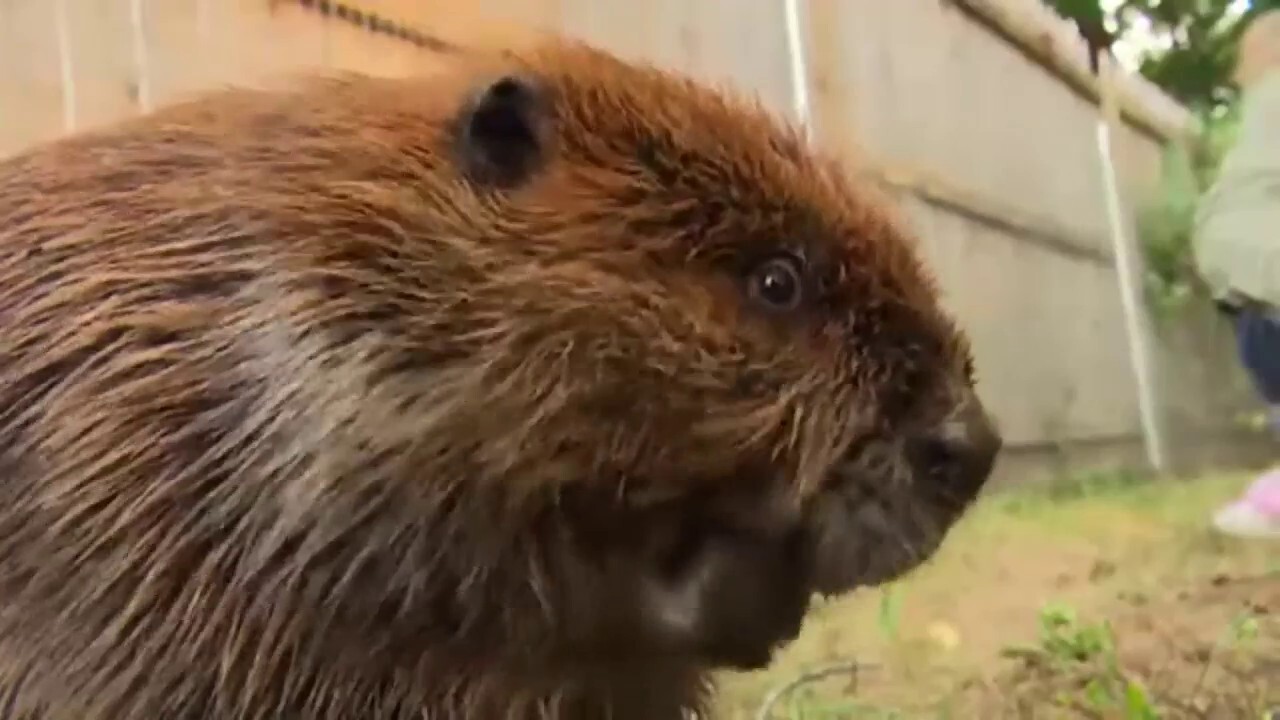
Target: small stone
[[943, 635]]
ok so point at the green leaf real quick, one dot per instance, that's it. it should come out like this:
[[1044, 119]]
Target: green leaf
[[890, 615], [1137, 703]]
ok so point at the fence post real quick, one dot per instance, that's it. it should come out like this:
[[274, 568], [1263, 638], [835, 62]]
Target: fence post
[[137, 25], [66, 65], [797, 52], [1126, 267]]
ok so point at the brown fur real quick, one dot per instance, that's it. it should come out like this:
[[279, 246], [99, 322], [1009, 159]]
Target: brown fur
[[299, 421]]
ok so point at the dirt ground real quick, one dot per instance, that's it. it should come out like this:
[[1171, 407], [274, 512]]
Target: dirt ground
[[1101, 598]]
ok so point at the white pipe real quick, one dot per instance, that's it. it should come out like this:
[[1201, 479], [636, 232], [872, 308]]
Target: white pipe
[[1139, 353], [140, 58], [799, 66], [66, 65]]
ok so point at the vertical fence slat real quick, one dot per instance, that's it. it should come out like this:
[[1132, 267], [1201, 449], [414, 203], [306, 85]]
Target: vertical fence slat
[[66, 64], [141, 59]]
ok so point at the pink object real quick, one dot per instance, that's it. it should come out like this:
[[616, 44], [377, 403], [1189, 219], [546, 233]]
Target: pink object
[[1264, 494], [1257, 513]]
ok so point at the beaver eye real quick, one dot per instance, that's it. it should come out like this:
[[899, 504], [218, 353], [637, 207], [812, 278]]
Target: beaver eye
[[777, 283]]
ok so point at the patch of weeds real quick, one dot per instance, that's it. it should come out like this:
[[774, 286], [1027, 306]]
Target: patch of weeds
[[1098, 482], [1074, 487], [1075, 667], [1085, 655]]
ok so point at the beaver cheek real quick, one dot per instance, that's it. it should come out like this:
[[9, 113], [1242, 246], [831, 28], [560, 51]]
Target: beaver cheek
[[843, 534], [738, 598]]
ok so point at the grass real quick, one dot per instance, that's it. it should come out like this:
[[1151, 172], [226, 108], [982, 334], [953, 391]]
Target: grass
[[1104, 597]]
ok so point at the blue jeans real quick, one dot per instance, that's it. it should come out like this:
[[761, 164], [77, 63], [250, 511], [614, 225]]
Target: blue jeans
[[1258, 340]]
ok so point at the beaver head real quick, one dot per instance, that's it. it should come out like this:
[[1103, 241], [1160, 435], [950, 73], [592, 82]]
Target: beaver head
[[488, 392]]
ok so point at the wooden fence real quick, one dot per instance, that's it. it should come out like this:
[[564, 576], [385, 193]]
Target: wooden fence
[[981, 115]]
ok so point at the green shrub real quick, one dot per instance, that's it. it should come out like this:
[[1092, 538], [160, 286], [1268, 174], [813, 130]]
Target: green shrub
[[1166, 223]]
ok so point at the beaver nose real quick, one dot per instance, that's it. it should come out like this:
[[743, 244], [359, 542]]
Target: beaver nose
[[960, 451]]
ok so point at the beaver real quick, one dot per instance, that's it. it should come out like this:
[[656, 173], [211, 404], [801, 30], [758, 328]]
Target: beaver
[[546, 385]]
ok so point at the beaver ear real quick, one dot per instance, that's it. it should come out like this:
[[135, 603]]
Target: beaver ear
[[503, 132]]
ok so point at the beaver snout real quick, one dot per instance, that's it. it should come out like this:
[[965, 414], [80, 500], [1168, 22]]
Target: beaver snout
[[960, 452], [893, 500]]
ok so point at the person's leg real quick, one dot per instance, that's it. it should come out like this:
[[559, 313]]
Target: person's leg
[[1257, 513], [1258, 337]]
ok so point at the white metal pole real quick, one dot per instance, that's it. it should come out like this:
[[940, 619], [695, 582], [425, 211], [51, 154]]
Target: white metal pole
[[1130, 298], [799, 65], [137, 22], [66, 65]]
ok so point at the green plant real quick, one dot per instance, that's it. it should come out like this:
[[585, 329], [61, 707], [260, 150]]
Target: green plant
[[889, 617], [1089, 679], [1166, 223], [1087, 652], [1195, 41], [1243, 630], [1066, 640]]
